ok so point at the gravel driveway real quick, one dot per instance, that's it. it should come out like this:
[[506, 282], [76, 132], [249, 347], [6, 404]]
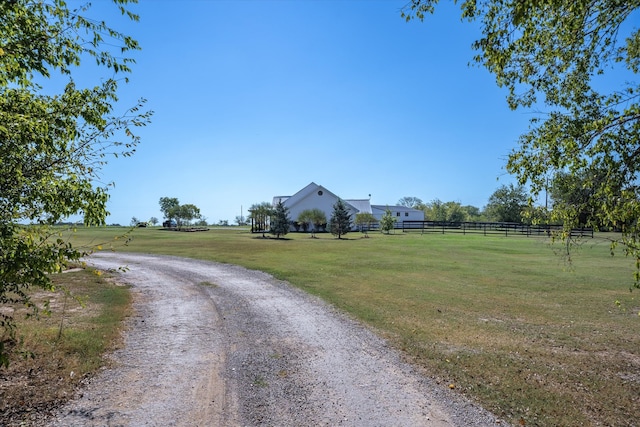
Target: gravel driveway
[[218, 345]]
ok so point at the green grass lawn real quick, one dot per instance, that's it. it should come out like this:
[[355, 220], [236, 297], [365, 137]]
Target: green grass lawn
[[506, 320]]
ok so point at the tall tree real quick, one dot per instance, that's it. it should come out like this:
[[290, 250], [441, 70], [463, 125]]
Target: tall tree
[[53, 145], [411, 202], [340, 222], [260, 214], [507, 204], [574, 200], [435, 211], [438, 210], [184, 214], [472, 213], [169, 207], [280, 221], [575, 61], [454, 212]]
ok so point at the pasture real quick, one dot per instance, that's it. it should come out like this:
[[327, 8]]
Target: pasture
[[506, 321]]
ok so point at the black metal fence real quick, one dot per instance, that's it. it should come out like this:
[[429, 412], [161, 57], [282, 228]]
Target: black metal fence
[[467, 227], [486, 228]]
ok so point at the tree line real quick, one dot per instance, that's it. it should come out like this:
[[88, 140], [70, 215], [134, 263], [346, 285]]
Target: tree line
[[568, 193], [177, 215], [507, 204]]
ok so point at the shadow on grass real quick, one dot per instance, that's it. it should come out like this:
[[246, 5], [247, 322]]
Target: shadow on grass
[[271, 238]]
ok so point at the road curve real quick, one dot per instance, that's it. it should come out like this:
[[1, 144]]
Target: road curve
[[217, 345]]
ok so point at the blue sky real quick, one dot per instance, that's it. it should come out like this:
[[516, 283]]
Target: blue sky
[[255, 99]]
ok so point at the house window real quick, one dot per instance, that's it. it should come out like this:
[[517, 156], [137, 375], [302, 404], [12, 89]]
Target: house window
[[397, 213], [319, 192], [406, 214]]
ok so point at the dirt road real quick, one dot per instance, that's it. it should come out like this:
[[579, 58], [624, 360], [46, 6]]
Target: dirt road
[[218, 345]]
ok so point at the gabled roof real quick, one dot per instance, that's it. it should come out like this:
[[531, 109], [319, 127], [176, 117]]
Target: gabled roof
[[277, 199], [395, 208], [361, 205], [358, 205], [304, 193]]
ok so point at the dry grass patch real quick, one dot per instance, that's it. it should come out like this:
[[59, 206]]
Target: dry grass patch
[[58, 351]]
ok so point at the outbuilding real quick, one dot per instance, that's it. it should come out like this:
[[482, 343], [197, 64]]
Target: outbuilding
[[315, 196]]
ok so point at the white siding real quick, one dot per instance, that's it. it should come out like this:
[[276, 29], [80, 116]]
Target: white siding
[[400, 213], [314, 196], [323, 202]]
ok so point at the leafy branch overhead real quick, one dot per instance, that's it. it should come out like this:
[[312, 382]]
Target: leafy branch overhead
[[55, 142], [575, 62]]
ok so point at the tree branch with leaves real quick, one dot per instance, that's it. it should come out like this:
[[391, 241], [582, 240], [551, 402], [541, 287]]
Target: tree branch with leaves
[[53, 146], [576, 62]]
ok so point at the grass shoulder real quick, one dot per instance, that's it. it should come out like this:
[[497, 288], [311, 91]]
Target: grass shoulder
[[56, 352]]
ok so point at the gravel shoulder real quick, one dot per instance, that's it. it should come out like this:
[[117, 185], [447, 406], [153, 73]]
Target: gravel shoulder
[[217, 345]]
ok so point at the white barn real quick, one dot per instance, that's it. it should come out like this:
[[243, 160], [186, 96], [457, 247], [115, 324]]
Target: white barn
[[315, 196]]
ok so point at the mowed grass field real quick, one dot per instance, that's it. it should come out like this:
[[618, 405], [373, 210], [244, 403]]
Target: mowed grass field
[[504, 320]]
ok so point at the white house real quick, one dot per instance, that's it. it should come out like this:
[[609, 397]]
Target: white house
[[400, 213], [315, 196]]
